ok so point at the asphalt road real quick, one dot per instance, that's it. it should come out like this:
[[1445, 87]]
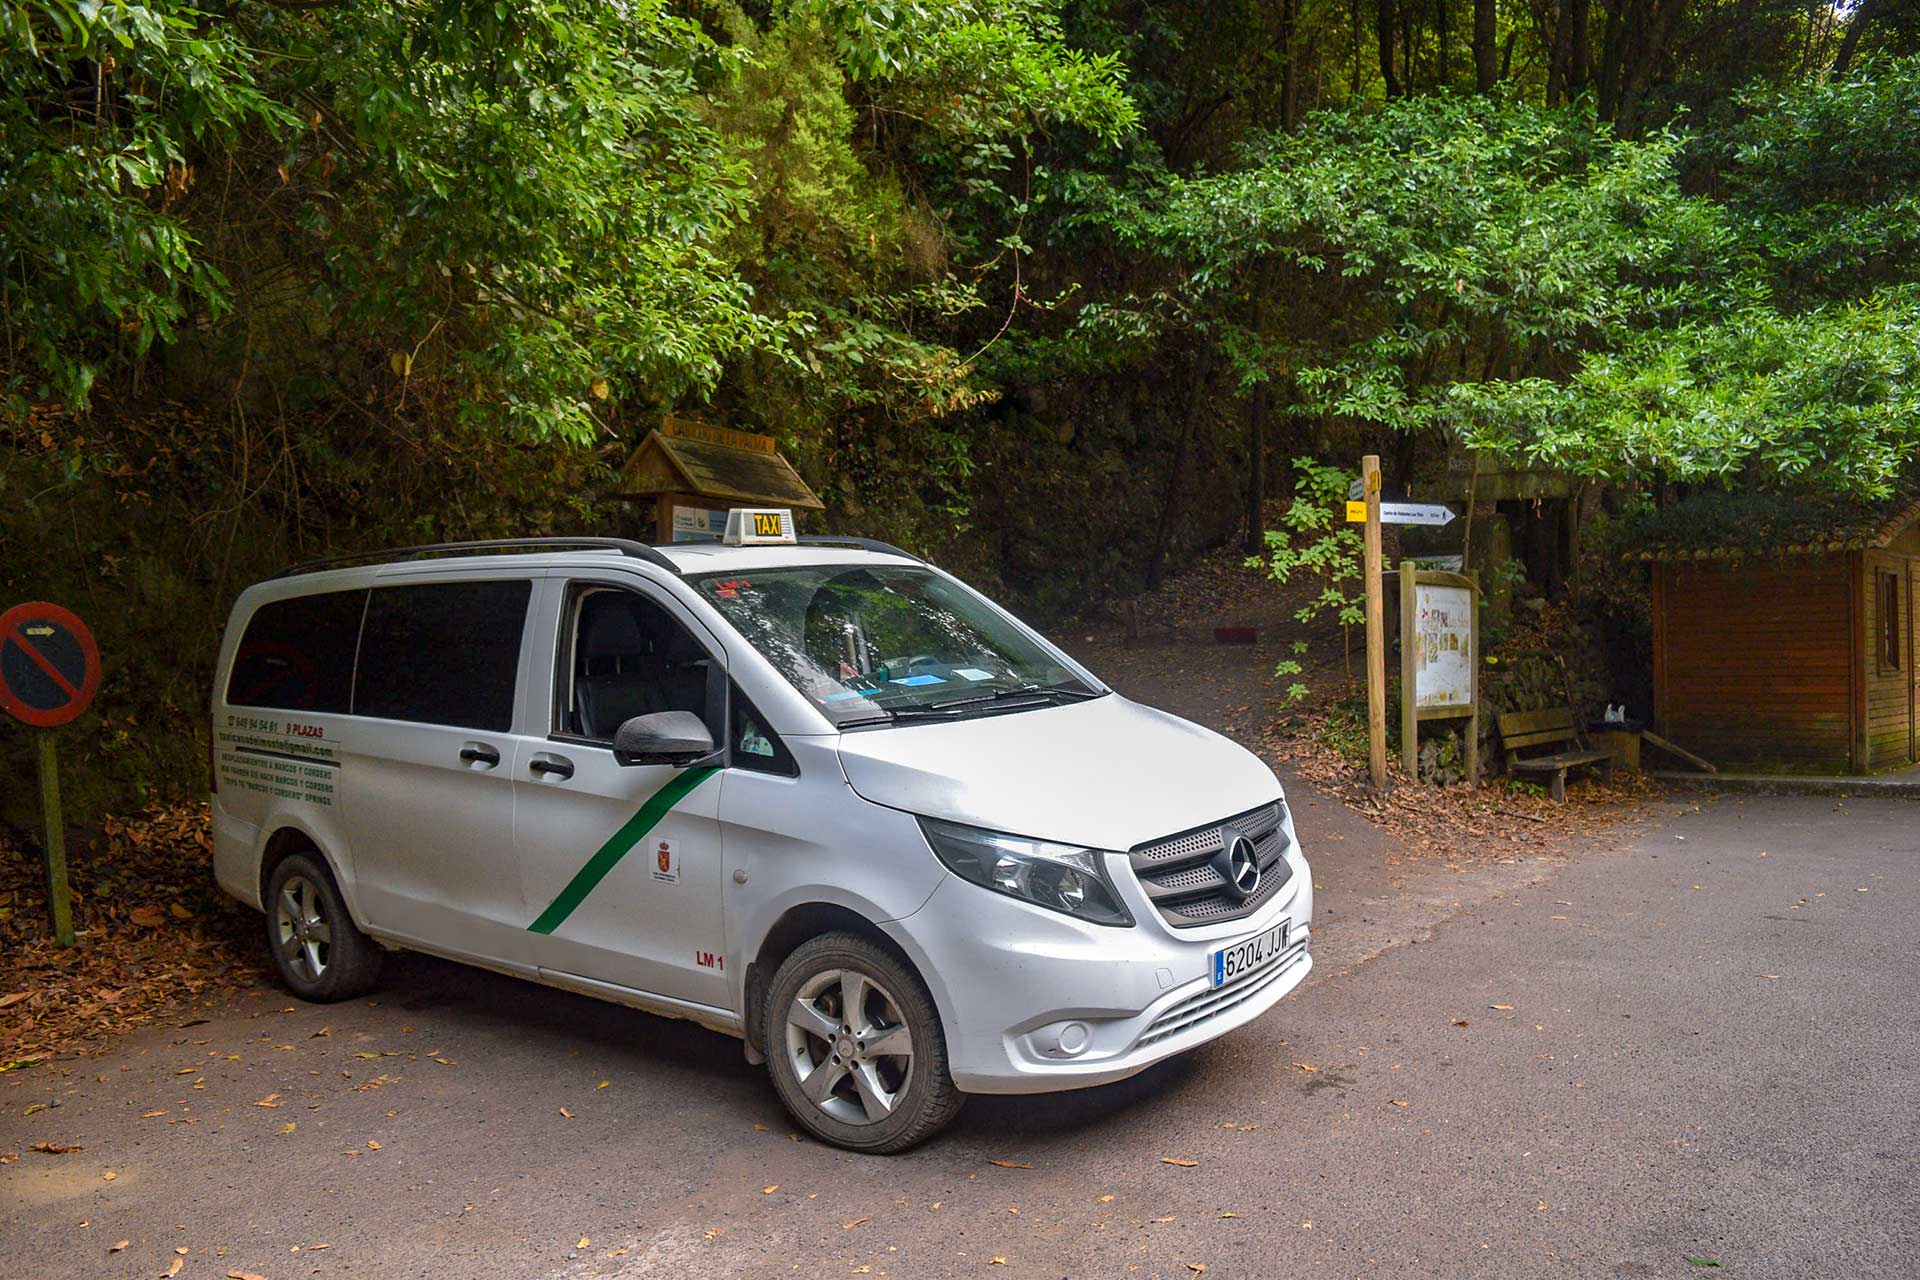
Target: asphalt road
[[1700, 1042]]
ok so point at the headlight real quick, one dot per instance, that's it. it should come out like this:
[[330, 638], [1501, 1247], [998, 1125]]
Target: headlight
[[1059, 877]]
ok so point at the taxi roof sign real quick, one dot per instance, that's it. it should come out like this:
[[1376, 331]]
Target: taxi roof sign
[[759, 527]]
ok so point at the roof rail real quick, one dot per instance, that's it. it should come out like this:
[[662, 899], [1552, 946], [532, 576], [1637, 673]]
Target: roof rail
[[865, 544], [625, 546]]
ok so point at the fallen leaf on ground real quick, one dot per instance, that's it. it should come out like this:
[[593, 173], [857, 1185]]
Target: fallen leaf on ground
[[860, 1271], [1703, 1262], [1176, 1160], [148, 1115], [848, 1226], [1169, 1218], [174, 1270], [996, 1262], [1196, 1267], [271, 1100], [58, 1148], [372, 1145], [245, 1275], [1500, 1006], [769, 1190], [1459, 1022], [1228, 1213], [1301, 1066], [119, 1246], [1010, 1164], [108, 1176], [12, 998], [714, 1233], [148, 917], [584, 1242], [1106, 1199], [568, 1114], [1398, 1102], [603, 1084]]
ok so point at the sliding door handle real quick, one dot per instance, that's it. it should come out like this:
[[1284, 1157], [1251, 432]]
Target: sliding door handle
[[481, 754], [547, 765]]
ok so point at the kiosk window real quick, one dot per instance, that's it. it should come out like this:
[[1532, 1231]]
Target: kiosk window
[[297, 654], [443, 653], [1889, 622]]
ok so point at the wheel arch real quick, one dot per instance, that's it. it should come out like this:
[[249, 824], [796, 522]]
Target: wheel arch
[[797, 925], [283, 844]]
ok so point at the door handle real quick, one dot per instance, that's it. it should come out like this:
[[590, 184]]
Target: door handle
[[481, 754], [556, 766]]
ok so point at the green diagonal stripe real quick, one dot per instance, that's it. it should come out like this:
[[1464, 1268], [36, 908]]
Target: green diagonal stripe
[[618, 845]]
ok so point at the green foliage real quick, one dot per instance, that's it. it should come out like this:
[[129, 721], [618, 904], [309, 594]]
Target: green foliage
[[1315, 539], [100, 104]]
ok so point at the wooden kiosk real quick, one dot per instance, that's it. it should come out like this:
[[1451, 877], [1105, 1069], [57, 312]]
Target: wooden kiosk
[[693, 474]]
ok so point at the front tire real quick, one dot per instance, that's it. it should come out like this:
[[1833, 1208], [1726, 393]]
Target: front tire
[[855, 1047], [317, 950]]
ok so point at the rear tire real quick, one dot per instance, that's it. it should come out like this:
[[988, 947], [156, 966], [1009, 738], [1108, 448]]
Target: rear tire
[[317, 950], [855, 1047]]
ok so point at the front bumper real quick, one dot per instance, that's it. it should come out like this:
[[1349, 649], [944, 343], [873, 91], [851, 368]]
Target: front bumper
[[1033, 1001]]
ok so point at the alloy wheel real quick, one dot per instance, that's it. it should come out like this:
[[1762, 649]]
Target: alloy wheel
[[850, 1048]]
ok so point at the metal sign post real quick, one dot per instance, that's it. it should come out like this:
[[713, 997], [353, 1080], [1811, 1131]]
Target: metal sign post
[[49, 672], [1439, 659]]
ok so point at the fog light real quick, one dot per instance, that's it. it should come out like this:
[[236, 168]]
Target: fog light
[[1062, 1039]]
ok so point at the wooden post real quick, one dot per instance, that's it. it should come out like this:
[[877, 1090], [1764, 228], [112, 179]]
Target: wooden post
[[1376, 639], [1409, 717], [58, 898]]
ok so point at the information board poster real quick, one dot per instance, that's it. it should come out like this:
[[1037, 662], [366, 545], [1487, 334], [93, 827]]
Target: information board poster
[[1443, 646]]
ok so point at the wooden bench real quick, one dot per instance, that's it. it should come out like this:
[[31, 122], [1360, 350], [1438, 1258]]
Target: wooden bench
[[1552, 729]]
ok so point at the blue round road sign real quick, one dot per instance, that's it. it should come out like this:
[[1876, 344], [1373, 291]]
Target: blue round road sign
[[49, 666]]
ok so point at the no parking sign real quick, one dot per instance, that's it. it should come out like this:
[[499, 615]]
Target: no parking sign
[[49, 665], [49, 672]]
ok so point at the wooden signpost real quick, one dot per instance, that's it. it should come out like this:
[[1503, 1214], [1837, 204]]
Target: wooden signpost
[[1439, 659], [49, 672], [1376, 634], [1439, 634]]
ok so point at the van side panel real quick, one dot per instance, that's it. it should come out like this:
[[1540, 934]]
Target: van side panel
[[275, 768]]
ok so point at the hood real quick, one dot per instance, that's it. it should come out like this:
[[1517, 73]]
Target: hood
[[1107, 773]]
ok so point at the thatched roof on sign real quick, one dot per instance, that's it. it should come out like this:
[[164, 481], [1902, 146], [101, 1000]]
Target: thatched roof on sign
[[1729, 526], [713, 462]]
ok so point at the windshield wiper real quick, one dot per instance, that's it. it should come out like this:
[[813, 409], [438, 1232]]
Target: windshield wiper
[[1019, 696]]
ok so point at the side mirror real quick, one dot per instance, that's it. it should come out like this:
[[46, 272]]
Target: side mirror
[[664, 737]]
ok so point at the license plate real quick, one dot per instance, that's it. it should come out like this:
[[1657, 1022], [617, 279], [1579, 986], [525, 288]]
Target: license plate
[[1243, 957]]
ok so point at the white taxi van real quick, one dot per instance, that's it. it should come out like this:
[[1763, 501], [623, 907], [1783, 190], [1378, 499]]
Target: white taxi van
[[813, 793]]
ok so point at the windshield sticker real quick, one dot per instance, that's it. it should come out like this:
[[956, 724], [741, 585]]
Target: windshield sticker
[[916, 681], [974, 674], [843, 695]]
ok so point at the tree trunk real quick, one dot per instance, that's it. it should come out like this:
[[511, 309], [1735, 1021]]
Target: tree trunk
[[1576, 12], [1851, 41], [1388, 78], [1257, 471], [1289, 65], [1163, 534], [1486, 72]]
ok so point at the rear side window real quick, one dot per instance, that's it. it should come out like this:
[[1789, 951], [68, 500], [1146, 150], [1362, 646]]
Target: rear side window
[[297, 654], [443, 653]]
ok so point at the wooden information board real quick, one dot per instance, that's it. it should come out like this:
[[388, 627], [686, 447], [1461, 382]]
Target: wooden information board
[[1439, 659]]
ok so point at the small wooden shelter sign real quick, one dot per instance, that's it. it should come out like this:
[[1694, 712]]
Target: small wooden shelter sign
[[694, 473], [1439, 658]]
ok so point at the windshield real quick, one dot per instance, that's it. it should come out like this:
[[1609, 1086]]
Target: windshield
[[870, 644]]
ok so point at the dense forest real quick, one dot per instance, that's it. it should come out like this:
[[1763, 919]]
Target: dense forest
[[1053, 291]]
